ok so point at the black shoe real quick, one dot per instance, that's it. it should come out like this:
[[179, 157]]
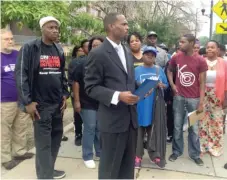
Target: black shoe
[[25, 156], [11, 164], [169, 140], [59, 174], [173, 157], [64, 138], [225, 166], [198, 161], [78, 140]]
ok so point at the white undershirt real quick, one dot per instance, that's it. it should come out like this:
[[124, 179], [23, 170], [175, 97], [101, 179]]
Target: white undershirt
[[211, 78], [121, 53]]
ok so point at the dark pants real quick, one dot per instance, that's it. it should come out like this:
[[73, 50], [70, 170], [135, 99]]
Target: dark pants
[[170, 119], [77, 120], [140, 140], [48, 134], [118, 152]]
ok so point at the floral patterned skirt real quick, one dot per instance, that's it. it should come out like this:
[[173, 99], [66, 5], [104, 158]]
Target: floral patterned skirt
[[211, 126]]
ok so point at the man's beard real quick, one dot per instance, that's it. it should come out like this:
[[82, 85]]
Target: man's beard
[[8, 49]]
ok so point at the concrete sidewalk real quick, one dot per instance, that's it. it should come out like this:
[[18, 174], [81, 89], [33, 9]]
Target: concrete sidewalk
[[213, 166], [70, 160], [75, 169]]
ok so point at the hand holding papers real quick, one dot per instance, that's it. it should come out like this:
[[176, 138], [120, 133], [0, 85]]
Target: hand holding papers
[[193, 117], [145, 88]]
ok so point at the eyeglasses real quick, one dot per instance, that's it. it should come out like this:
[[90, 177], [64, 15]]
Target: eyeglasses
[[8, 39]]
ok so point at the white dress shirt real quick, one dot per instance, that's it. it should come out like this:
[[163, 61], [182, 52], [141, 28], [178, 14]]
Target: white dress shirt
[[121, 53]]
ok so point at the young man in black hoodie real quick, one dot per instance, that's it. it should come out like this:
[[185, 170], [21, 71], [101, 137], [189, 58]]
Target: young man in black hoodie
[[42, 90]]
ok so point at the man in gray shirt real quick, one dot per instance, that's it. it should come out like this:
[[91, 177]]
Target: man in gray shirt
[[161, 58]]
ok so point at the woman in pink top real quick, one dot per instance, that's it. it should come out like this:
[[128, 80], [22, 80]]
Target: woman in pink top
[[211, 127]]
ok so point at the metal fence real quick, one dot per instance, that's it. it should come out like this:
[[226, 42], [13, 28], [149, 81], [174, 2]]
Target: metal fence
[[21, 39]]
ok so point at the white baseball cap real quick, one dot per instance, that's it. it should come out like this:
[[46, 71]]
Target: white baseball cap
[[47, 19]]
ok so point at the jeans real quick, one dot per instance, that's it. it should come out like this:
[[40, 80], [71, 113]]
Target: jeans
[[91, 134], [179, 105], [48, 132]]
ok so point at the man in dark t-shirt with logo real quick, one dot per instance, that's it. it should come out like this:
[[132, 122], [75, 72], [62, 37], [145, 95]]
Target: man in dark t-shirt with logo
[[189, 90], [42, 89]]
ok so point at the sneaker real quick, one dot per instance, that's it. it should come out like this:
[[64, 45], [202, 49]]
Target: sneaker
[[158, 162], [225, 166], [78, 140], [59, 174], [25, 156], [64, 138], [138, 163], [11, 164], [169, 139], [173, 157], [198, 161], [90, 164]]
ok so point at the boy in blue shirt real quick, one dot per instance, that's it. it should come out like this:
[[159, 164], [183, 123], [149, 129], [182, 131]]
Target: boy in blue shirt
[[145, 107]]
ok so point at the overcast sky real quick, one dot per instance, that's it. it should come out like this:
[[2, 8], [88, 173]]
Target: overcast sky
[[205, 27]]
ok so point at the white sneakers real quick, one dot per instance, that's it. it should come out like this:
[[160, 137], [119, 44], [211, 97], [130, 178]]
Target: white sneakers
[[90, 164]]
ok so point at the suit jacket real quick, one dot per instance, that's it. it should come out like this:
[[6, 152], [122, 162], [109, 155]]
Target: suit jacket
[[105, 74]]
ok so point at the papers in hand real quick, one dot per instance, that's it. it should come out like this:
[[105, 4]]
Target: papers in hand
[[193, 117], [145, 88]]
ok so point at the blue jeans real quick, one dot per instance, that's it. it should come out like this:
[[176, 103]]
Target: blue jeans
[[91, 134], [179, 105]]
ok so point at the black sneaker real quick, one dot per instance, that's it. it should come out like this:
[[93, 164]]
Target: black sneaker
[[64, 138], [59, 174], [198, 161], [169, 140], [173, 157], [78, 140], [225, 166]]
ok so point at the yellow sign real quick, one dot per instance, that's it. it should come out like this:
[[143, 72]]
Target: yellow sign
[[221, 9], [221, 28]]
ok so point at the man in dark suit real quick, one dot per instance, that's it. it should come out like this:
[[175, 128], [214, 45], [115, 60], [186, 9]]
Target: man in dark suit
[[109, 78]]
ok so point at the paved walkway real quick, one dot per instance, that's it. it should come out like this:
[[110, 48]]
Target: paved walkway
[[70, 160], [75, 169]]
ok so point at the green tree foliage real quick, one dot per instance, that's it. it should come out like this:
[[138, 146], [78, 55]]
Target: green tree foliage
[[203, 40], [221, 38], [29, 13], [170, 19]]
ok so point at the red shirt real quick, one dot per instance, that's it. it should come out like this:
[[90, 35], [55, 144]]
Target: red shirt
[[188, 69]]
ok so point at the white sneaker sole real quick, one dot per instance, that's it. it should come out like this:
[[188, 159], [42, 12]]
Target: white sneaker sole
[[60, 177]]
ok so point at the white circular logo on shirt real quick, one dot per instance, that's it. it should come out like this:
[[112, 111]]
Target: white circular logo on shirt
[[186, 78]]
